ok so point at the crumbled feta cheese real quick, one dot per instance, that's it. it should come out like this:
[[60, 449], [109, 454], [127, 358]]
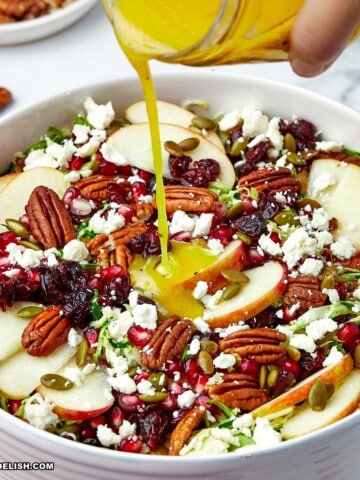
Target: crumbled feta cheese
[[264, 435], [144, 387], [216, 379], [319, 328], [322, 182], [229, 120], [203, 225], [25, 257], [224, 360], [194, 346], [328, 146], [215, 246], [122, 382], [133, 298], [274, 135], [119, 326], [186, 399], [200, 290], [269, 246], [320, 219], [334, 357], [127, 429], [181, 222], [303, 342], [74, 338], [106, 436], [145, 315], [39, 412], [235, 327], [112, 155], [210, 441], [255, 122], [38, 158], [298, 244], [75, 250], [13, 272], [311, 266], [99, 224], [99, 116], [332, 293], [201, 325], [81, 133], [243, 421], [342, 248]]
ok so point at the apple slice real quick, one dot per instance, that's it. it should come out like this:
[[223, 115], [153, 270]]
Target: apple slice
[[300, 392], [339, 195], [168, 113], [265, 285], [232, 257], [343, 402], [91, 398], [6, 179], [133, 142], [11, 329], [21, 373], [15, 195]]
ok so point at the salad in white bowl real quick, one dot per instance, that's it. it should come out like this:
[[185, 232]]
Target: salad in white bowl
[[249, 342]]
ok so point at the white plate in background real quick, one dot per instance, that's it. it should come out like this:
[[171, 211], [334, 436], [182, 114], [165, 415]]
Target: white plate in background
[[35, 29]]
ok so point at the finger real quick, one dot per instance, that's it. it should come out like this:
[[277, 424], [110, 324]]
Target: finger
[[320, 33]]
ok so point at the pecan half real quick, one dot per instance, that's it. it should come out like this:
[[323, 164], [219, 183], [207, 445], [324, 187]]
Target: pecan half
[[49, 221], [259, 344], [127, 233], [95, 186], [188, 199], [5, 96], [269, 181], [45, 332], [168, 341], [184, 428], [238, 390], [304, 291]]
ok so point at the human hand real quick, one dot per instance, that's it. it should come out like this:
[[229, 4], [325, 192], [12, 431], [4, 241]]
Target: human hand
[[320, 33]]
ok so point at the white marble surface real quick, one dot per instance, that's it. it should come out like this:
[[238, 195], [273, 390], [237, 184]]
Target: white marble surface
[[88, 52]]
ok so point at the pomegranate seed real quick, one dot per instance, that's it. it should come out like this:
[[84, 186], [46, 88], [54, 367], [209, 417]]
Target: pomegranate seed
[[290, 365], [289, 314], [192, 370], [131, 445], [76, 163], [144, 175], [129, 402], [249, 203], [341, 289], [13, 406], [125, 170], [219, 214], [176, 388], [96, 421], [32, 275], [170, 403], [139, 336], [250, 367], [203, 401], [116, 417], [138, 189], [87, 432], [141, 376], [5, 239], [224, 233], [96, 282], [107, 168], [173, 367], [92, 337], [255, 257], [349, 333], [109, 273], [275, 237], [200, 383], [127, 211], [70, 195]]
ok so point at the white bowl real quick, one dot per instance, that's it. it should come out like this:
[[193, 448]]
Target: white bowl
[[41, 27], [330, 454]]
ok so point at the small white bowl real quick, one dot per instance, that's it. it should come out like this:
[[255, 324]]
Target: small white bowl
[[329, 454], [41, 27]]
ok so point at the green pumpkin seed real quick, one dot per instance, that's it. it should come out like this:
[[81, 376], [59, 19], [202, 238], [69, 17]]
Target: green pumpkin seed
[[239, 146], [230, 291], [189, 144], [309, 154], [357, 356], [173, 148], [272, 377], [295, 159], [56, 382], [29, 312], [235, 211], [157, 380], [318, 396], [328, 282], [263, 374], [209, 346], [82, 352], [157, 397], [290, 143], [293, 353], [18, 228], [28, 244], [244, 238], [234, 276], [204, 123], [286, 217], [205, 362]]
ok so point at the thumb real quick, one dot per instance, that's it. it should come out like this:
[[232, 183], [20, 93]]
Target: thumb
[[320, 33]]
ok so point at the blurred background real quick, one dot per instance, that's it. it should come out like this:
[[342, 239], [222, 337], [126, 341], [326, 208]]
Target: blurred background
[[87, 52]]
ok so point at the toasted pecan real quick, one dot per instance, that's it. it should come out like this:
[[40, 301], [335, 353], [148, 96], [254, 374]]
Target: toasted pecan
[[46, 332], [259, 344], [189, 199], [96, 186], [269, 181], [238, 390], [49, 221], [168, 341], [304, 291], [184, 428], [5, 94]]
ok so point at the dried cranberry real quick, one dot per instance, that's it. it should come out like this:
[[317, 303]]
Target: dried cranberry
[[304, 134], [285, 379], [284, 127], [252, 225], [311, 362], [153, 427], [146, 244], [208, 167], [266, 318], [78, 305], [268, 207], [179, 165], [144, 175], [5, 239], [116, 193], [258, 152], [116, 291], [194, 178], [236, 134]]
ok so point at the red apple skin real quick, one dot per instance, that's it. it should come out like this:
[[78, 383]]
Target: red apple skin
[[235, 259], [67, 414], [251, 309], [300, 391]]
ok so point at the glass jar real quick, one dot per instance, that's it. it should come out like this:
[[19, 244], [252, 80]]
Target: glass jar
[[205, 32]]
